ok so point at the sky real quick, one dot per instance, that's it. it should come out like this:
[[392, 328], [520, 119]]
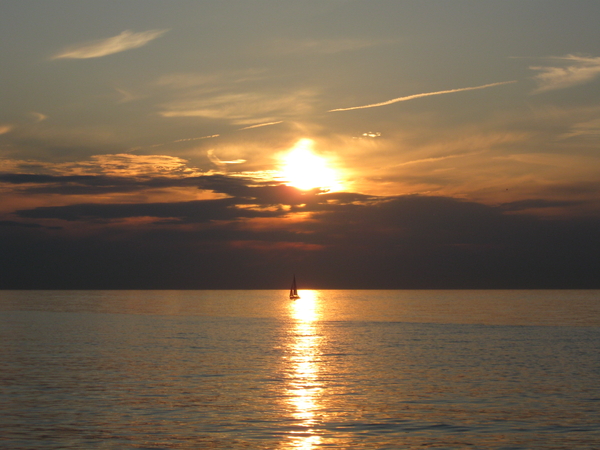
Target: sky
[[198, 144]]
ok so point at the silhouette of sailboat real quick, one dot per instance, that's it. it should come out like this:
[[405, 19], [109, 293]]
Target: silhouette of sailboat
[[293, 291]]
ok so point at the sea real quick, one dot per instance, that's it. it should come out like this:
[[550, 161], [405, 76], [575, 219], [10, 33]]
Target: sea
[[336, 369]]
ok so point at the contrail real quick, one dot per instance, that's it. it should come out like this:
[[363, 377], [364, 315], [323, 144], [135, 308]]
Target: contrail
[[197, 138], [426, 94], [438, 158], [260, 125]]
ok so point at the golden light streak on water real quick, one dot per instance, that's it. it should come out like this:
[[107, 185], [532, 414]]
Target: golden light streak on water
[[306, 308], [304, 387]]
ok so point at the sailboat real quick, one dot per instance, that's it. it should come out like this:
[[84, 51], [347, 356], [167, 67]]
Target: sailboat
[[293, 291]]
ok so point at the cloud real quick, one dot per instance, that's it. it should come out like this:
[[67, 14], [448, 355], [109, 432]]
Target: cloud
[[141, 165], [90, 184], [234, 96], [244, 108], [426, 94], [186, 80], [12, 223], [216, 161], [370, 134], [245, 197], [102, 47], [522, 205], [38, 117], [337, 240], [197, 211], [127, 96], [438, 158], [590, 128], [318, 46], [122, 164], [210, 81], [5, 128], [261, 125], [198, 138], [571, 70]]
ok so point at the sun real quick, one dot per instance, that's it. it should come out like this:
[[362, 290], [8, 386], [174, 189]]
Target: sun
[[305, 170]]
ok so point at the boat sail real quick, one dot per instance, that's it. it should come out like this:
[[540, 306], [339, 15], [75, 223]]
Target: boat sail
[[293, 291]]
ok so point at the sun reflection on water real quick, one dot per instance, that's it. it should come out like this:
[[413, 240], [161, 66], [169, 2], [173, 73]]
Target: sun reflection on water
[[304, 385], [305, 309]]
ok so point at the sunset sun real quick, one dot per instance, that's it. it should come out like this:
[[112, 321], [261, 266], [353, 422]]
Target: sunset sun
[[303, 169]]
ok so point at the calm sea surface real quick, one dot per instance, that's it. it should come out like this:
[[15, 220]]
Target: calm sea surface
[[335, 369]]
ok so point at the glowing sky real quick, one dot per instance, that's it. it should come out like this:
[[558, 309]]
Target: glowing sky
[[137, 129]]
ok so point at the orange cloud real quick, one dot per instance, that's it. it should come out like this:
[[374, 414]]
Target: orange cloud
[[125, 41]]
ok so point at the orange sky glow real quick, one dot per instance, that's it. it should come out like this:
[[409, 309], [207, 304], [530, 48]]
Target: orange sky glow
[[366, 135]]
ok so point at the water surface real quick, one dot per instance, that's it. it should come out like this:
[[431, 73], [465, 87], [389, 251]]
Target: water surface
[[335, 369]]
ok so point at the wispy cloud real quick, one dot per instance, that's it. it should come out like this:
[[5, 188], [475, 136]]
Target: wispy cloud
[[186, 80], [570, 70], [209, 81], [426, 94], [39, 117], [5, 128], [127, 96], [318, 46], [162, 144], [125, 164], [102, 47], [116, 165], [368, 135], [245, 108], [197, 138], [258, 125], [590, 128], [438, 158], [220, 163]]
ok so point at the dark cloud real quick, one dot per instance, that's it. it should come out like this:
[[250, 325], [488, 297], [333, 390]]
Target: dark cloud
[[579, 188], [263, 193], [193, 211], [12, 223], [238, 187], [91, 184], [538, 203], [242, 194], [255, 239]]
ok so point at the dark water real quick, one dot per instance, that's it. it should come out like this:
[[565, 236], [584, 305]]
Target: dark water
[[336, 369]]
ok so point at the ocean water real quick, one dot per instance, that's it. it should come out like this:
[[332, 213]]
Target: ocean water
[[335, 369]]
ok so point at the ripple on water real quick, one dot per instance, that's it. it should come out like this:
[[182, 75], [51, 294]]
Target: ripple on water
[[89, 377]]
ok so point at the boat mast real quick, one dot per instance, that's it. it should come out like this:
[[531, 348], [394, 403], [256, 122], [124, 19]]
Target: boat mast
[[293, 289]]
